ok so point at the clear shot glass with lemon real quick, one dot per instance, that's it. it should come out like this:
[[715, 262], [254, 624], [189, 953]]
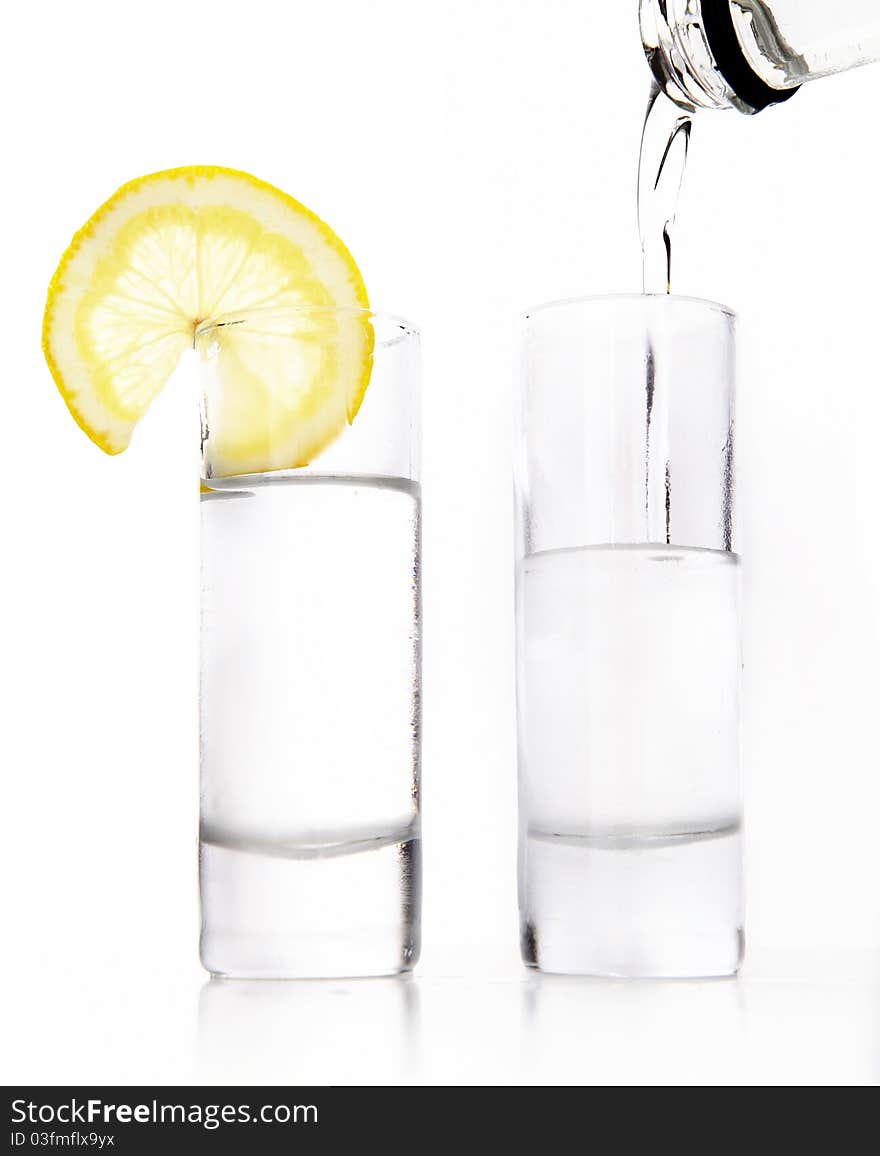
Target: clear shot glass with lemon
[[310, 620]]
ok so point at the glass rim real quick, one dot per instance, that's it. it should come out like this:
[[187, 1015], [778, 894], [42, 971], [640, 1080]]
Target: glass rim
[[704, 303], [405, 328]]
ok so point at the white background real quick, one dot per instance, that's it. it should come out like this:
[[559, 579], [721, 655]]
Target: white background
[[477, 156]]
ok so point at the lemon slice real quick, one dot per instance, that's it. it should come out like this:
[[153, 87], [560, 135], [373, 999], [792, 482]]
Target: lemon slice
[[189, 251]]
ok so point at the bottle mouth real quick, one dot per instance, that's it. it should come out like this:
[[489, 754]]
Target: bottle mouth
[[697, 59]]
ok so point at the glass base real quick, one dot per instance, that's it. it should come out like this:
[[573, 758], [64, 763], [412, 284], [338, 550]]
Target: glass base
[[662, 907], [325, 916]]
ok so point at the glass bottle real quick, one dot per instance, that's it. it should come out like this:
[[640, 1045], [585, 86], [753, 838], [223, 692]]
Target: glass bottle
[[748, 54]]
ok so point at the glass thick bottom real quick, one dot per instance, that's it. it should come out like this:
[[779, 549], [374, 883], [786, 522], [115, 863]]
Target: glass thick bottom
[[333, 914], [641, 907]]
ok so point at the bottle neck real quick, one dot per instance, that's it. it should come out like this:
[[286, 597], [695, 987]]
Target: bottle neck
[[697, 57]]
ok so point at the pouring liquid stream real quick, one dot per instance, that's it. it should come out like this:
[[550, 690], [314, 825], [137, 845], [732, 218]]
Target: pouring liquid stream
[[662, 158]]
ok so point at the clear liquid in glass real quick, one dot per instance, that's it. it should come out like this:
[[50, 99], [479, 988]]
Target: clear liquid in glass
[[309, 836], [628, 686]]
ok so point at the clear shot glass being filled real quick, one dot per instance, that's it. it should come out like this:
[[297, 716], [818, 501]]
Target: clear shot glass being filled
[[748, 54], [628, 640]]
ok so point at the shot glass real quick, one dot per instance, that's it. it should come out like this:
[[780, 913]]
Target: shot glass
[[310, 653], [628, 640]]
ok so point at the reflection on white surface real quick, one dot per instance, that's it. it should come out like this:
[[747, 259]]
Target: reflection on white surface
[[308, 1031], [798, 1017], [594, 1031], [793, 1020]]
